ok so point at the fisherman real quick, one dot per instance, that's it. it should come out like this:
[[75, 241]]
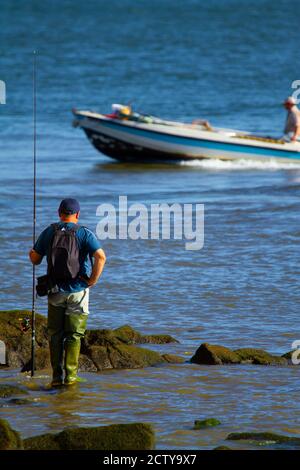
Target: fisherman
[[292, 125], [69, 248]]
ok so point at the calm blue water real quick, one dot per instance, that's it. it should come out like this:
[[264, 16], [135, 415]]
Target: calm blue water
[[231, 62]]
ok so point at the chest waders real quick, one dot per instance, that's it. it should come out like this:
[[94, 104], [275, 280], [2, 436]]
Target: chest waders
[[65, 332]]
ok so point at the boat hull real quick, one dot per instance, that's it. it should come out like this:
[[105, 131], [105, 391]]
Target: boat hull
[[129, 152], [127, 141]]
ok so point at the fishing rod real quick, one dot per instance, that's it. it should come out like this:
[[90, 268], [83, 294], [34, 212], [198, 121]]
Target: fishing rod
[[34, 219]]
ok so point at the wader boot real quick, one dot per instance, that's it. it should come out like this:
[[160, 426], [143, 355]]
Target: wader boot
[[56, 343], [75, 325]]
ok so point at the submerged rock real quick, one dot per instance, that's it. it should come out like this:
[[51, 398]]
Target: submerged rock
[[206, 423], [101, 349], [7, 391], [20, 401], [265, 438], [9, 439], [214, 355], [222, 448], [136, 436]]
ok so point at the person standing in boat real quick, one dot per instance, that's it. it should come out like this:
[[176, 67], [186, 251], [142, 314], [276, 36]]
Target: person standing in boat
[[292, 125]]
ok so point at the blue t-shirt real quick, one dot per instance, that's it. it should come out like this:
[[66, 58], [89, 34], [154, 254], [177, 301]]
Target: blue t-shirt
[[88, 244]]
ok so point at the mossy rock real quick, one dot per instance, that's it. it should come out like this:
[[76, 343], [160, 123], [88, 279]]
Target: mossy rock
[[9, 439], [127, 335], [288, 357], [130, 336], [100, 349], [265, 437], [259, 356], [98, 338], [173, 359], [158, 339], [20, 401], [136, 436], [18, 342], [133, 357], [222, 448], [7, 391], [41, 361], [214, 355], [206, 423], [42, 442], [86, 364], [99, 357]]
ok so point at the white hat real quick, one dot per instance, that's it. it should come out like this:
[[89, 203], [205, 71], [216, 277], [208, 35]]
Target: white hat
[[290, 100]]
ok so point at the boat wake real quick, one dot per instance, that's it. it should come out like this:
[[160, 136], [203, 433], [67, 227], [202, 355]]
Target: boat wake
[[215, 164]]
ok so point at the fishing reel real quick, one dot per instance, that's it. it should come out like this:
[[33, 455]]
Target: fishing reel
[[25, 324]]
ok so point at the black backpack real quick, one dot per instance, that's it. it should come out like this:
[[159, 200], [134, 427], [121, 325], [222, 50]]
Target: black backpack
[[63, 256]]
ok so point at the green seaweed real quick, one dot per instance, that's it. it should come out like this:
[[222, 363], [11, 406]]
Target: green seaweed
[[206, 423]]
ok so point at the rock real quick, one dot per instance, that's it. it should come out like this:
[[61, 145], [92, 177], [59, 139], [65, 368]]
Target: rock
[[158, 339], [99, 357], [42, 442], [42, 360], [136, 436], [18, 342], [20, 401], [173, 358], [130, 336], [288, 355], [101, 349], [265, 438], [214, 355], [206, 423], [259, 356], [86, 364], [107, 352], [296, 357], [131, 357], [9, 439], [222, 448], [7, 391]]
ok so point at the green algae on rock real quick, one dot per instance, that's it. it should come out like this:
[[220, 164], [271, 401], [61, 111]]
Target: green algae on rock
[[9, 439], [43, 442], [173, 359], [130, 336], [265, 438], [214, 355], [206, 423], [222, 448], [259, 356], [135, 436], [217, 355]]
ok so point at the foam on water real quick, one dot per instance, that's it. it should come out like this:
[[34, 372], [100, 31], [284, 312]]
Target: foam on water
[[215, 164]]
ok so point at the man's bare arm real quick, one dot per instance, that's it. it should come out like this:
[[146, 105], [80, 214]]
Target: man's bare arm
[[296, 134], [35, 258], [99, 262]]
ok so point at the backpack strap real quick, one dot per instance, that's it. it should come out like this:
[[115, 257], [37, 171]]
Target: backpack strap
[[57, 227]]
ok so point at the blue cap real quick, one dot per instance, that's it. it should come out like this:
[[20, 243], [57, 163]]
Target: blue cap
[[69, 206]]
